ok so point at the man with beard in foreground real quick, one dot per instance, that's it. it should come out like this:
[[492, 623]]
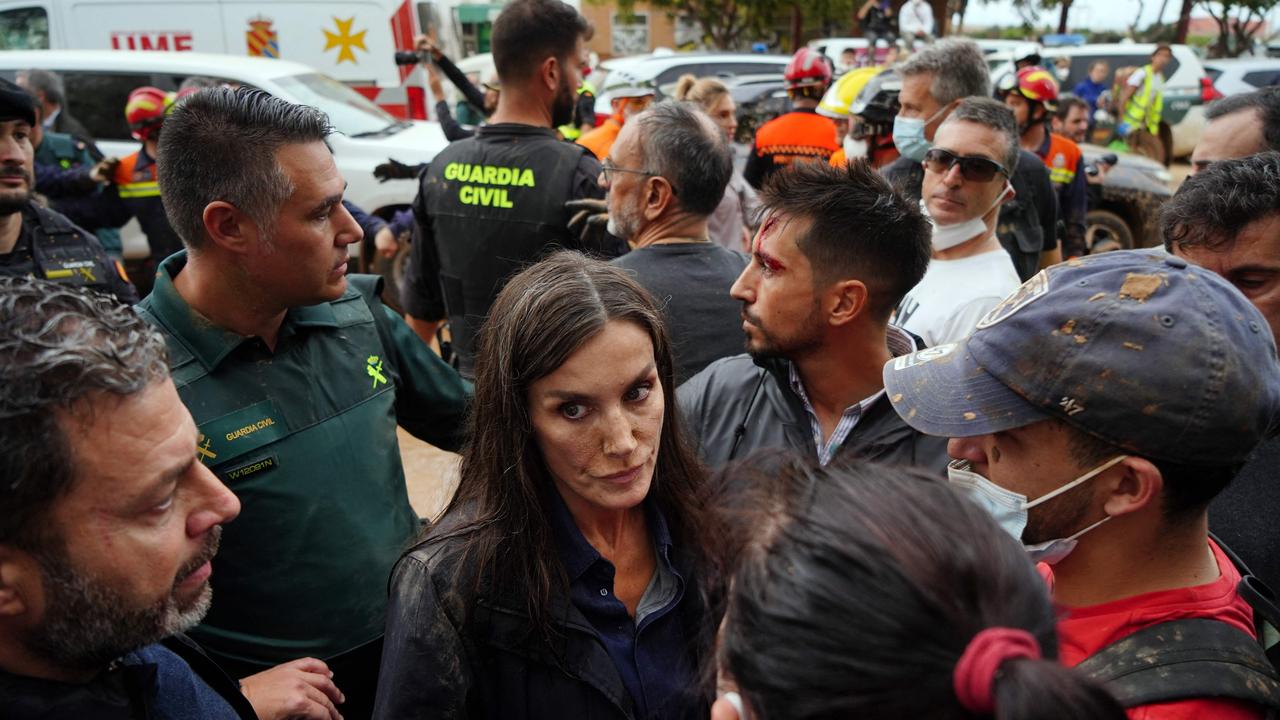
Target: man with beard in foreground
[[495, 202], [108, 525], [837, 250]]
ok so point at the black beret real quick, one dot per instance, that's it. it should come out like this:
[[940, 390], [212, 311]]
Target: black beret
[[16, 103]]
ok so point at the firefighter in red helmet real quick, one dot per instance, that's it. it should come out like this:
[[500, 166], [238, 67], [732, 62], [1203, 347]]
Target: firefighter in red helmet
[[1033, 96], [801, 135]]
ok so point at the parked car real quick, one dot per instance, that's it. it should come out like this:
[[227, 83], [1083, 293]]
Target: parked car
[[834, 47], [99, 81], [1243, 75], [662, 70], [1187, 86], [1124, 209], [759, 100]]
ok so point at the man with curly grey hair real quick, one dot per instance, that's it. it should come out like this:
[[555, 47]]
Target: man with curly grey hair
[[107, 522], [108, 527]]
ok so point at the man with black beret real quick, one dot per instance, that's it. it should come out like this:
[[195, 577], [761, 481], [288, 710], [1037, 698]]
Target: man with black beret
[[34, 240]]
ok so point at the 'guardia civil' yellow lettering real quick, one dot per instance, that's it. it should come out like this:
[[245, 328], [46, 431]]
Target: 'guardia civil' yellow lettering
[[250, 429], [489, 174], [488, 197]]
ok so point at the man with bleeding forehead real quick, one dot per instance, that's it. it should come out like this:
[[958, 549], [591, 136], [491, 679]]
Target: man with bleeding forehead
[[966, 180], [836, 252]]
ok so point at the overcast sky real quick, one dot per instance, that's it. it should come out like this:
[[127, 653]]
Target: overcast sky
[[1094, 14]]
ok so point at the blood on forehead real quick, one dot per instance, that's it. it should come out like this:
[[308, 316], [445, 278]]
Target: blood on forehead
[[767, 239]]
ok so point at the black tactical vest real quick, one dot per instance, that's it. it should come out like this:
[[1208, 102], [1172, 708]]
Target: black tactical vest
[[55, 249], [496, 203]]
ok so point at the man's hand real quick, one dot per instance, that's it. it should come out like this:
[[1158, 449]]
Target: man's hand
[[395, 170], [298, 690], [386, 242], [588, 216], [105, 170], [422, 43]]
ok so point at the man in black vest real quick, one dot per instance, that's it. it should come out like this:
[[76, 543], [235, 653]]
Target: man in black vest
[[35, 240], [493, 203]]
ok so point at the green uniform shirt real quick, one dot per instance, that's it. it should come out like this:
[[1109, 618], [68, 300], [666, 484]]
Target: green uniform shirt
[[306, 437]]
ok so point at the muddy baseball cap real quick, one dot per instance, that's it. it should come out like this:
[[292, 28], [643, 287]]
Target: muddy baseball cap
[[16, 103], [1164, 359]]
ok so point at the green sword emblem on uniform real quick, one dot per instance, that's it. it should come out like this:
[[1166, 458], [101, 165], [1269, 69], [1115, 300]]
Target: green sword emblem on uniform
[[375, 371]]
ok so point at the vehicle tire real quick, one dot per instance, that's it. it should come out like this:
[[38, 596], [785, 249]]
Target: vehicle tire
[[1106, 231]]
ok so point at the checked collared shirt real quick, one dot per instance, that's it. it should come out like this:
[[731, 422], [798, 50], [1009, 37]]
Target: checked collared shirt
[[900, 343]]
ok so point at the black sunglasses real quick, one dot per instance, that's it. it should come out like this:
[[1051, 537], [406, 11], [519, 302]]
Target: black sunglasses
[[972, 168]]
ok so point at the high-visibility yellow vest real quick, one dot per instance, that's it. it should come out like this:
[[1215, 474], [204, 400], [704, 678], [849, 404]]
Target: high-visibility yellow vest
[[570, 131], [1146, 106]]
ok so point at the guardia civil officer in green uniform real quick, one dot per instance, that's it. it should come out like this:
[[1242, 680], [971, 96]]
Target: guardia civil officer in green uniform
[[296, 376], [34, 240], [493, 203]]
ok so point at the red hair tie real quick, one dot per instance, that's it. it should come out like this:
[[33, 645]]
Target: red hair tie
[[975, 674]]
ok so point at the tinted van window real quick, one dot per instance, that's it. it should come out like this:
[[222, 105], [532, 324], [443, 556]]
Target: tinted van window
[[24, 29]]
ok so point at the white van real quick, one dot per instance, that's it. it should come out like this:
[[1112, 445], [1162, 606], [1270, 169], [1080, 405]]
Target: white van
[[98, 83], [353, 41]]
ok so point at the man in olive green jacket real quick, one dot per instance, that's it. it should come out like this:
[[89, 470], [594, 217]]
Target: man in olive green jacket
[[297, 377]]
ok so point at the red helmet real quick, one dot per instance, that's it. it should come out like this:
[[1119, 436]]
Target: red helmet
[[145, 111], [808, 67], [1037, 85]]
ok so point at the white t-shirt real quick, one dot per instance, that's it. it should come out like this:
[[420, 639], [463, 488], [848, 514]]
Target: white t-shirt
[[955, 294], [1139, 76], [915, 16]]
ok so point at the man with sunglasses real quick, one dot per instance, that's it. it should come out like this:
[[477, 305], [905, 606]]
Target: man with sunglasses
[[934, 80], [966, 179]]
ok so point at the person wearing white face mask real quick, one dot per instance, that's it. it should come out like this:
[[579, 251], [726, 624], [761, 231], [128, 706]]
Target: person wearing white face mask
[[935, 80], [1096, 412], [966, 179]]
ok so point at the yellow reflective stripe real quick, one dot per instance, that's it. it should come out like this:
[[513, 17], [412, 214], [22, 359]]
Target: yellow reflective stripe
[[1062, 176], [140, 189]]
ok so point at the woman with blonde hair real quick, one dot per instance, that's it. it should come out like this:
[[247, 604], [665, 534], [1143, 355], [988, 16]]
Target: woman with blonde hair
[[734, 220]]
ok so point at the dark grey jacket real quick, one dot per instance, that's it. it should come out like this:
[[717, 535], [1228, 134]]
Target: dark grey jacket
[[735, 395]]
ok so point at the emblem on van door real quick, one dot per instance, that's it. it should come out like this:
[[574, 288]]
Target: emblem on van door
[[344, 40], [261, 38]]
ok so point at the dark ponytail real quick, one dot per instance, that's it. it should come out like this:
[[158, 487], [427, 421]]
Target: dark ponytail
[[857, 589], [1033, 689]]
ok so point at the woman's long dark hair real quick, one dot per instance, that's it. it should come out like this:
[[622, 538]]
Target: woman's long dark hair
[[541, 317], [857, 589]]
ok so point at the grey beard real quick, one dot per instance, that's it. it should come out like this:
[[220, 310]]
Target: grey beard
[[88, 623]]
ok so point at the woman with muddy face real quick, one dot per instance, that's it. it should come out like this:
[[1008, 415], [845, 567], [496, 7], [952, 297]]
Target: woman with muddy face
[[563, 579]]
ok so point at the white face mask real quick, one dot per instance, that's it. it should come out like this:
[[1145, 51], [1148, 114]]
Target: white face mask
[[855, 148], [1010, 509], [949, 236]]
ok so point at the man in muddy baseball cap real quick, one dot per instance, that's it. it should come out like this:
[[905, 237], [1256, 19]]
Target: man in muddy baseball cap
[[1095, 412]]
